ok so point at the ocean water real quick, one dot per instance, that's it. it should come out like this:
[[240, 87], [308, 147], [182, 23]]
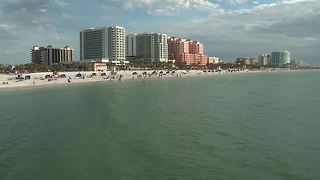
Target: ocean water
[[245, 126]]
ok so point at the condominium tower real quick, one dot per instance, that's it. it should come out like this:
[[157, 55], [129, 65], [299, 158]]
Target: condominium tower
[[104, 43], [187, 51], [152, 47], [300, 63], [280, 59], [131, 45], [50, 55], [263, 59]]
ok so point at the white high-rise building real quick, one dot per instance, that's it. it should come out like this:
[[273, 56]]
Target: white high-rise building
[[263, 59], [104, 43], [152, 47], [117, 43], [300, 63]]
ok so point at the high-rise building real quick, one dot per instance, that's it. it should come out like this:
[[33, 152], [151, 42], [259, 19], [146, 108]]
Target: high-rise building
[[152, 47], [131, 44], [94, 44], [300, 63], [280, 59], [104, 43], [263, 59], [187, 51], [38, 55], [117, 43], [50, 55]]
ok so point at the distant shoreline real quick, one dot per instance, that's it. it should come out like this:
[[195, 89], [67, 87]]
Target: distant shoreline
[[35, 78]]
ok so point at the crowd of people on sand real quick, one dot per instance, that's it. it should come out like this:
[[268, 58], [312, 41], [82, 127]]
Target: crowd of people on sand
[[37, 79]]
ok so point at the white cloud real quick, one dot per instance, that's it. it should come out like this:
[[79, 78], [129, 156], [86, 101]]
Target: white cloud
[[24, 23], [235, 2], [263, 28], [296, 1], [61, 2], [281, 25], [4, 26], [171, 7]]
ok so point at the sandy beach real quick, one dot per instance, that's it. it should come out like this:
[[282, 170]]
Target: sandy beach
[[48, 79]]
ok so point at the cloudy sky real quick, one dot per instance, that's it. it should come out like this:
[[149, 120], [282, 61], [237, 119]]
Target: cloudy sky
[[228, 28]]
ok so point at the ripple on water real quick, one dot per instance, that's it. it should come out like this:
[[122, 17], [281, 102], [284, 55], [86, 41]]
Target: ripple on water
[[228, 127]]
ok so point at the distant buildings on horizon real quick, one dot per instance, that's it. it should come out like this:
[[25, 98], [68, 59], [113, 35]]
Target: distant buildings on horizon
[[263, 59], [214, 60], [280, 58], [246, 61], [276, 59]]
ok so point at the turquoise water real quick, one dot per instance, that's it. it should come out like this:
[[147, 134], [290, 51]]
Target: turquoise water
[[248, 126]]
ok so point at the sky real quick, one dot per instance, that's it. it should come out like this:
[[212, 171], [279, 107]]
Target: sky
[[227, 28]]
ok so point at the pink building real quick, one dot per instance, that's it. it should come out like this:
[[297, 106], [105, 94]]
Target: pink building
[[185, 50]]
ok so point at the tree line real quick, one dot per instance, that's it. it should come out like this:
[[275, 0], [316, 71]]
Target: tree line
[[34, 68], [138, 64]]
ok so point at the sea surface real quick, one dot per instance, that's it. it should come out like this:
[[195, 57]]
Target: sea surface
[[263, 126]]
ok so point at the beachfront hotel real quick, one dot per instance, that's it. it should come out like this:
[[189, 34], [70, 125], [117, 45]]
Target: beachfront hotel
[[151, 47], [187, 51], [300, 63], [263, 59], [103, 44], [131, 46], [280, 59], [50, 55]]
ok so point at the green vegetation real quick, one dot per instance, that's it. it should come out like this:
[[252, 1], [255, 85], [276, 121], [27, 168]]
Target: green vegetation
[[141, 64], [33, 68], [137, 64]]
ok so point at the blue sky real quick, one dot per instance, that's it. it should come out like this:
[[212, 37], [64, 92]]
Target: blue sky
[[228, 28]]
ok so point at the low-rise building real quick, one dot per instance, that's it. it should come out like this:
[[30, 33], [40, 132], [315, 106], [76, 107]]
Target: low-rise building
[[214, 60], [100, 66], [246, 61]]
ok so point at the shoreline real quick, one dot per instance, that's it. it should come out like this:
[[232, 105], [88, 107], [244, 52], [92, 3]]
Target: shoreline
[[37, 79]]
